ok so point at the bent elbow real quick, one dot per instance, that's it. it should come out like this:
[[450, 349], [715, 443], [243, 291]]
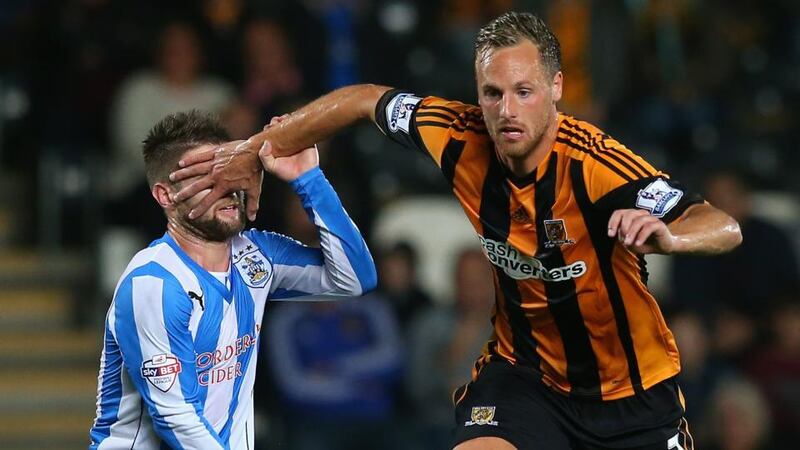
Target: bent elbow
[[356, 283], [737, 238], [734, 233], [370, 281]]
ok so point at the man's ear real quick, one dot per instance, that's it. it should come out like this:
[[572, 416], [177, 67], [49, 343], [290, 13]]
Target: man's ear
[[558, 85], [163, 195]]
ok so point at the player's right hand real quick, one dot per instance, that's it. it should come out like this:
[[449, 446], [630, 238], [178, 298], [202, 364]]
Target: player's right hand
[[234, 166]]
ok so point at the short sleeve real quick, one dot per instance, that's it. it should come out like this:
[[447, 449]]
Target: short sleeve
[[616, 178], [427, 123]]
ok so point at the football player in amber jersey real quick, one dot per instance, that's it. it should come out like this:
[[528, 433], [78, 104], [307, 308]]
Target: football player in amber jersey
[[580, 357]]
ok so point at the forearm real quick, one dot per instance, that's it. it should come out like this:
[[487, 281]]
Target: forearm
[[347, 262], [322, 118], [704, 230]]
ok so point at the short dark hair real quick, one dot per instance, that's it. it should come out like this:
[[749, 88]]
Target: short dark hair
[[173, 135], [507, 30]]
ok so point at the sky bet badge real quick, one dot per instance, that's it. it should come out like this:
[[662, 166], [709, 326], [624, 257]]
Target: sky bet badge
[[161, 371]]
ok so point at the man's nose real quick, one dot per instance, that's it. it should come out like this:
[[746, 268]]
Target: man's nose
[[508, 108]]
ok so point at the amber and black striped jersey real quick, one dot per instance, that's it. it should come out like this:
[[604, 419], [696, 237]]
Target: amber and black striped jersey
[[571, 303]]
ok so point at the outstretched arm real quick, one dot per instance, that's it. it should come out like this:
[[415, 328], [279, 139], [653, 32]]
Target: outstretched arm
[[231, 166], [701, 229], [319, 120]]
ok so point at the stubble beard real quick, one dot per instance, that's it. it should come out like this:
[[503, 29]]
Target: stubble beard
[[217, 230], [520, 150], [517, 150], [214, 229]]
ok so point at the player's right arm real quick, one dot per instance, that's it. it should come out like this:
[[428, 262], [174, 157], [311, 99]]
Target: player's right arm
[[230, 167], [151, 326]]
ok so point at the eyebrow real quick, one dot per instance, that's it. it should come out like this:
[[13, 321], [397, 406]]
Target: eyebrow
[[517, 85]]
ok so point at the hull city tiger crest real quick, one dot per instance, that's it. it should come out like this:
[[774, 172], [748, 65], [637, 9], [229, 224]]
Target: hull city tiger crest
[[482, 415], [252, 265], [161, 371], [556, 231]]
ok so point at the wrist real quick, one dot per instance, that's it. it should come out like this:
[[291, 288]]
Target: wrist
[[673, 245], [305, 178], [261, 143]]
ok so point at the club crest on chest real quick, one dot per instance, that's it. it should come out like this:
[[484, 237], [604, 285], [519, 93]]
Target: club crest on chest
[[252, 265], [556, 232]]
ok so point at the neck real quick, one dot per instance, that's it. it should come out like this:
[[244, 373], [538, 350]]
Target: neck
[[524, 165], [210, 255]]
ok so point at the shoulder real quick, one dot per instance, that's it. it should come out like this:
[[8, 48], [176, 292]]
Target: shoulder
[[582, 139], [398, 107], [437, 111], [254, 246], [604, 159], [267, 241], [433, 102], [447, 127], [159, 267]]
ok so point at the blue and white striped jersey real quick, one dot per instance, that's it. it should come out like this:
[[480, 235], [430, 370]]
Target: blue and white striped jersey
[[179, 354]]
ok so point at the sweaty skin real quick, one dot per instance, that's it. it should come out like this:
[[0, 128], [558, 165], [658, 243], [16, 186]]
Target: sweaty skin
[[233, 165], [517, 95], [212, 251], [701, 229]]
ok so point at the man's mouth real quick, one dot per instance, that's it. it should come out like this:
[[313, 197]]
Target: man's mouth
[[233, 208], [511, 132]]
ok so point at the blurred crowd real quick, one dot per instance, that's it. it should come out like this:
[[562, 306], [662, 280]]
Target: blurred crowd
[[708, 90]]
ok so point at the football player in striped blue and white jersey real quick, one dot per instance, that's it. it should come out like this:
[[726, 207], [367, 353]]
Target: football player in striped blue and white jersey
[[181, 335]]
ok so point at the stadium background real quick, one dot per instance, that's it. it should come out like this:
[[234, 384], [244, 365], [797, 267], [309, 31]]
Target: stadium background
[[706, 89]]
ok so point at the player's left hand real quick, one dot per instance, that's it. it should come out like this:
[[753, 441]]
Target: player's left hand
[[640, 232], [288, 168]]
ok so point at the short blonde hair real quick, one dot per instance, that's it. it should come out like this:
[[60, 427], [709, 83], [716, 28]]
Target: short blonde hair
[[510, 28]]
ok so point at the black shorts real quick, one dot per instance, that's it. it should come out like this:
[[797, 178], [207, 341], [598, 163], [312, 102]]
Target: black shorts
[[511, 403]]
